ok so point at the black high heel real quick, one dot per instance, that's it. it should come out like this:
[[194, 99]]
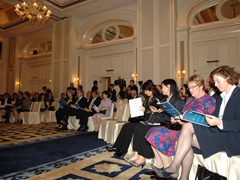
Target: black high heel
[[162, 173], [138, 165]]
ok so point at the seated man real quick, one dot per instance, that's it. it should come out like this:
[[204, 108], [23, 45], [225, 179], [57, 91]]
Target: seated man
[[75, 109], [17, 104], [94, 100]]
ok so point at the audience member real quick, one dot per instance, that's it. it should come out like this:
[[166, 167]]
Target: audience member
[[17, 104], [25, 106], [95, 86], [95, 100], [125, 136], [35, 97], [88, 96], [73, 89], [46, 91], [141, 147], [133, 86], [60, 112], [200, 102], [62, 96], [44, 105], [103, 110], [212, 89]]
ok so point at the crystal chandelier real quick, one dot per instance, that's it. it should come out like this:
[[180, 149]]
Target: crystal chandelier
[[33, 10]]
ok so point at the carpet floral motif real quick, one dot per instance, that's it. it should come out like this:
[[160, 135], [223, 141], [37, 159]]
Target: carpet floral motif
[[108, 168]]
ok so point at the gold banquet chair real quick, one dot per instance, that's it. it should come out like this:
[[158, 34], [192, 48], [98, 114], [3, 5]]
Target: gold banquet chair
[[109, 129], [91, 123], [32, 117]]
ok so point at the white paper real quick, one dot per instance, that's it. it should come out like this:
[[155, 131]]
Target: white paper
[[135, 105]]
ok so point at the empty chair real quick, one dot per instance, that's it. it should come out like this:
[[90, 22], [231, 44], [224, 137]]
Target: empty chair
[[32, 117]]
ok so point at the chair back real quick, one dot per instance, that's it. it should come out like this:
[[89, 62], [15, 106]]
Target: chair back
[[112, 109], [123, 112], [55, 104], [36, 107]]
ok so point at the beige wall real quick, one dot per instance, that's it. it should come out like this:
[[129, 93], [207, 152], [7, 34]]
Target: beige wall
[[156, 55]]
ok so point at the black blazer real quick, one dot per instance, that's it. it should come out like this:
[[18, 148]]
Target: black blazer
[[96, 102], [82, 103], [9, 100], [231, 123], [19, 102]]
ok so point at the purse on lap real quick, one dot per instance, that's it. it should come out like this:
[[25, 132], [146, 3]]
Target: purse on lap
[[205, 174]]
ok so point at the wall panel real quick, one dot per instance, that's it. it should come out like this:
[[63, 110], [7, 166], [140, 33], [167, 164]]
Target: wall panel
[[164, 68], [147, 64], [164, 23], [56, 78], [58, 37]]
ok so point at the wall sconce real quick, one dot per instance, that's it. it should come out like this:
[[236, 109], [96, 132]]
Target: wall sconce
[[181, 74], [50, 80], [76, 80], [17, 83], [134, 76]]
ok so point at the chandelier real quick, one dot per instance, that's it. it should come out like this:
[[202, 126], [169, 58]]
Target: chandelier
[[33, 10]]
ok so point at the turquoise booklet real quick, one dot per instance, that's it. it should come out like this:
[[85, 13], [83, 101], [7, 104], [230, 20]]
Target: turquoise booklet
[[191, 116]]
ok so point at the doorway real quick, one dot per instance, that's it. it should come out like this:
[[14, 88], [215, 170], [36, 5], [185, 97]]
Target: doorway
[[104, 83]]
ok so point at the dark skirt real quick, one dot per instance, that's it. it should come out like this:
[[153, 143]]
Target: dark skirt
[[210, 142]]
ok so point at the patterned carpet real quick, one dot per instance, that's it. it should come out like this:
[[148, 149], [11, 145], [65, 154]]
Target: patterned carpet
[[18, 134], [102, 167]]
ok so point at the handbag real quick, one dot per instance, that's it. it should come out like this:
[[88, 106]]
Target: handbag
[[154, 118], [205, 174]]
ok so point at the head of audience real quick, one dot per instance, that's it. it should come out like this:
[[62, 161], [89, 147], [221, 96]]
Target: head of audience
[[122, 95], [131, 82], [69, 93], [80, 87], [140, 83], [27, 95], [44, 88], [150, 90], [111, 86], [196, 86], [95, 83], [71, 84], [88, 95], [159, 87], [169, 87], [105, 94], [15, 95], [62, 96], [42, 96], [50, 95], [224, 77], [20, 94], [94, 94], [133, 94], [79, 93]]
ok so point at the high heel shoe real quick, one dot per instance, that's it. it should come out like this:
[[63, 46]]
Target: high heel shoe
[[138, 165], [127, 159], [162, 173]]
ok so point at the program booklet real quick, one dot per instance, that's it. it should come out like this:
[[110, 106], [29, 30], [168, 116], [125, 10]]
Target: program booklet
[[191, 116], [63, 103], [135, 105]]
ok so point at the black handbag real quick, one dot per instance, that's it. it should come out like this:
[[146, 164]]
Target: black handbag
[[154, 118], [205, 174]]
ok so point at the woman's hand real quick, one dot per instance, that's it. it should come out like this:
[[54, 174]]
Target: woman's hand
[[141, 108], [213, 121], [100, 109], [176, 119], [71, 105], [154, 109]]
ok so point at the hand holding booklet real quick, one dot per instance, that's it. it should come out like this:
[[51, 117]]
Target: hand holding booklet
[[135, 105], [191, 116]]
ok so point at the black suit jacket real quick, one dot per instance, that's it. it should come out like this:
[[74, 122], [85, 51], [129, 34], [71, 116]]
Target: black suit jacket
[[8, 101], [83, 104], [18, 102], [96, 102]]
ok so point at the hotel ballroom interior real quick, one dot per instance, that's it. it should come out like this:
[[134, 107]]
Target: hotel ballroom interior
[[68, 45]]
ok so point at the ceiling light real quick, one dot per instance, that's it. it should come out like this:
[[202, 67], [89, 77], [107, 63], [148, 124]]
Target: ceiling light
[[33, 10]]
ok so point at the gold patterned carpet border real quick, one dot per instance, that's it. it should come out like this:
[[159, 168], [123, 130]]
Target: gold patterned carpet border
[[21, 133], [102, 167]]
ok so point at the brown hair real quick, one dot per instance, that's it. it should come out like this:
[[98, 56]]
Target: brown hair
[[27, 93], [197, 79], [226, 72]]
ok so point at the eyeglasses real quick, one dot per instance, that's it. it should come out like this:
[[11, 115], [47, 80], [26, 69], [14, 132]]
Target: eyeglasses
[[192, 87]]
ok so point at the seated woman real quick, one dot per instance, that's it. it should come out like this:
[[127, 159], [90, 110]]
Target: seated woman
[[125, 136], [25, 106], [44, 105], [121, 100], [104, 110], [141, 147], [163, 140], [61, 120], [223, 133]]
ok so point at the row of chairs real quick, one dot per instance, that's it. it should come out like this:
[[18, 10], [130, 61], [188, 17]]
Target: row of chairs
[[34, 116]]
